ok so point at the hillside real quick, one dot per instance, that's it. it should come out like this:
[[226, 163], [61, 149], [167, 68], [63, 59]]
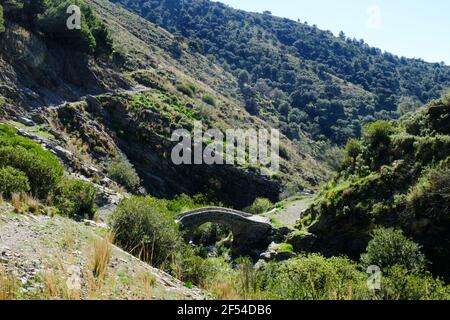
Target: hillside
[[397, 176], [299, 78], [92, 203], [62, 89], [41, 255]]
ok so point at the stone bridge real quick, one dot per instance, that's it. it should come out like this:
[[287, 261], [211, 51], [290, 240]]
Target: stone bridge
[[249, 232]]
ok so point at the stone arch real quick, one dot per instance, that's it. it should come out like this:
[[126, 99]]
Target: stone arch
[[249, 232]]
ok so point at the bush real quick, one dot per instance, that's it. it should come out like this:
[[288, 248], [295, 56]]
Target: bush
[[377, 132], [76, 198], [122, 172], [210, 233], [43, 169], [400, 284], [390, 247], [13, 181], [145, 227], [189, 267], [313, 277], [285, 248], [187, 90], [209, 100], [2, 20], [353, 148], [429, 197], [92, 38], [260, 206]]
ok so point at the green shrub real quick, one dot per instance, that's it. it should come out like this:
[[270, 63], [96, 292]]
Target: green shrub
[[352, 148], [145, 227], [313, 277], [210, 233], [400, 284], [122, 172], [390, 247], [13, 181], [285, 248], [190, 268], [187, 90], [377, 132], [43, 169], [183, 203], [209, 99], [430, 196], [260, 206], [76, 198], [92, 38], [2, 20]]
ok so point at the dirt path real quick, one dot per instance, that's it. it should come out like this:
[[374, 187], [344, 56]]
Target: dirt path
[[291, 212]]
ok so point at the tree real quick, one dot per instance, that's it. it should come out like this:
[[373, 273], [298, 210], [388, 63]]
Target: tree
[[50, 17], [390, 247], [243, 77]]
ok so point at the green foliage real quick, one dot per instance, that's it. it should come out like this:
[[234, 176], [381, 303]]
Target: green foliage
[[390, 247], [284, 66], [50, 16], [43, 169], [209, 99], [189, 267], [400, 284], [430, 197], [32, 8], [397, 175], [260, 206], [243, 76], [285, 248], [2, 20], [352, 149], [186, 89], [210, 233], [13, 181], [145, 227], [122, 172], [313, 278], [76, 198]]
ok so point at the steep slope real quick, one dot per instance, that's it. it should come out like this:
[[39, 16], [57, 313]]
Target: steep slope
[[112, 111], [299, 77], [398, 176], [45, 257]]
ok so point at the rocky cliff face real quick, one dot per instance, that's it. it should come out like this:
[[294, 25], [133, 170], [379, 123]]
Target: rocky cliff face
[[37, 71]]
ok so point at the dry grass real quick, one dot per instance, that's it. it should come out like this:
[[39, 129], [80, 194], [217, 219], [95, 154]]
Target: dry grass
[[101, 256], [68, 240], [16, 202], [147, 282], [9, 285], [55, 288], [32, 204], [223, 291]]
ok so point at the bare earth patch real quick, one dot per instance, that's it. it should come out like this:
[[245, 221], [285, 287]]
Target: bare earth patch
[[55, 258]]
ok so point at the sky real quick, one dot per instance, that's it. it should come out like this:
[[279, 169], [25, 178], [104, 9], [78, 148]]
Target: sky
[[410, 28]]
